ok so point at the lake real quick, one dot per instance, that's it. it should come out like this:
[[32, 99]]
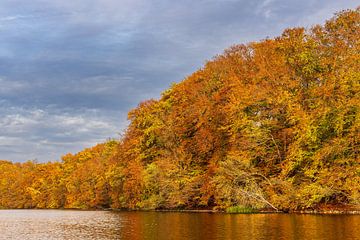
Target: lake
[[69, 224]]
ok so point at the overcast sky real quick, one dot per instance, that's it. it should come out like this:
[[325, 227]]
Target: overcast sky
[[71, 70]]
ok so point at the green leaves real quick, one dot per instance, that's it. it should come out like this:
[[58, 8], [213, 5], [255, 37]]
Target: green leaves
[[272, 124]]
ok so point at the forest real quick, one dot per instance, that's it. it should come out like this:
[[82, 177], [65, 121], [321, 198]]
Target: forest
[[273, 124]]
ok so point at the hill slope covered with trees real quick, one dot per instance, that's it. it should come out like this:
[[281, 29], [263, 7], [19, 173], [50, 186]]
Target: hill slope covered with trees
[[273, 124]]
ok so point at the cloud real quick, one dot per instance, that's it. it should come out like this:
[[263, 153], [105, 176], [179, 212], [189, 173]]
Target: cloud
[[265, 8], [71, 70], [46, 134], [323, 12], [8, 86], [14, 17]]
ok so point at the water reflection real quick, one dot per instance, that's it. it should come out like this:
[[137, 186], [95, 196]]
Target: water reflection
[[226, 226], [57, 224]]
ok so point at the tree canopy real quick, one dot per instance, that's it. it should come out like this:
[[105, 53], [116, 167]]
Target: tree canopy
[[272, 124]]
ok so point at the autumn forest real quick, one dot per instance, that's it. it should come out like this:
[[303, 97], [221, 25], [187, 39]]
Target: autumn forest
[[273, 125]]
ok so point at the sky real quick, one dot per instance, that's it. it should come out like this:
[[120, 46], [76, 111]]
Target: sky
[[71, 70]]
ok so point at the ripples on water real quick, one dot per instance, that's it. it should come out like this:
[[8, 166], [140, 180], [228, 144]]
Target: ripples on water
[[67, 224]]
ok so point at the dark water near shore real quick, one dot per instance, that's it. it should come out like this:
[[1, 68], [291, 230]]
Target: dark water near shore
[[66, 224]]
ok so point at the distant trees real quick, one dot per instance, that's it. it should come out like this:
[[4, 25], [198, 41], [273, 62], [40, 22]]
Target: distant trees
[[271, 124]]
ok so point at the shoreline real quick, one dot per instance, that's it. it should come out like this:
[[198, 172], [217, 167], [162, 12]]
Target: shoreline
[[308, 211]]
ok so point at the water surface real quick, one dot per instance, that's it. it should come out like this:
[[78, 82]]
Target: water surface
[[67, 224]]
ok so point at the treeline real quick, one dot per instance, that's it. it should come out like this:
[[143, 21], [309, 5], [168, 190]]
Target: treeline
[[271, 124]]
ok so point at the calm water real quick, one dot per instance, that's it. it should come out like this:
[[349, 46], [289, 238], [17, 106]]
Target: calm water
[[58, 224]]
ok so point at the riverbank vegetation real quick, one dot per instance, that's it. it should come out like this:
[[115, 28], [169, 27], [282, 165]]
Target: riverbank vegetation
[[268, 125]]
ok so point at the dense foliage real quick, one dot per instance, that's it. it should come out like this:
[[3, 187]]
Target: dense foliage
[[271, 124]]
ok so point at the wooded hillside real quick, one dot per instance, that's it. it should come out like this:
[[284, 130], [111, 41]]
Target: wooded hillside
[[272, 124]]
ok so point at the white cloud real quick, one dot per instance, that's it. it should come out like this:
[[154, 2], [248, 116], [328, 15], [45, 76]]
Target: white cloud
[[110, 54], [14, 17], [128, 12], [99, 84], [265, 8], [46, 134], [9, 86], [319, 15]]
